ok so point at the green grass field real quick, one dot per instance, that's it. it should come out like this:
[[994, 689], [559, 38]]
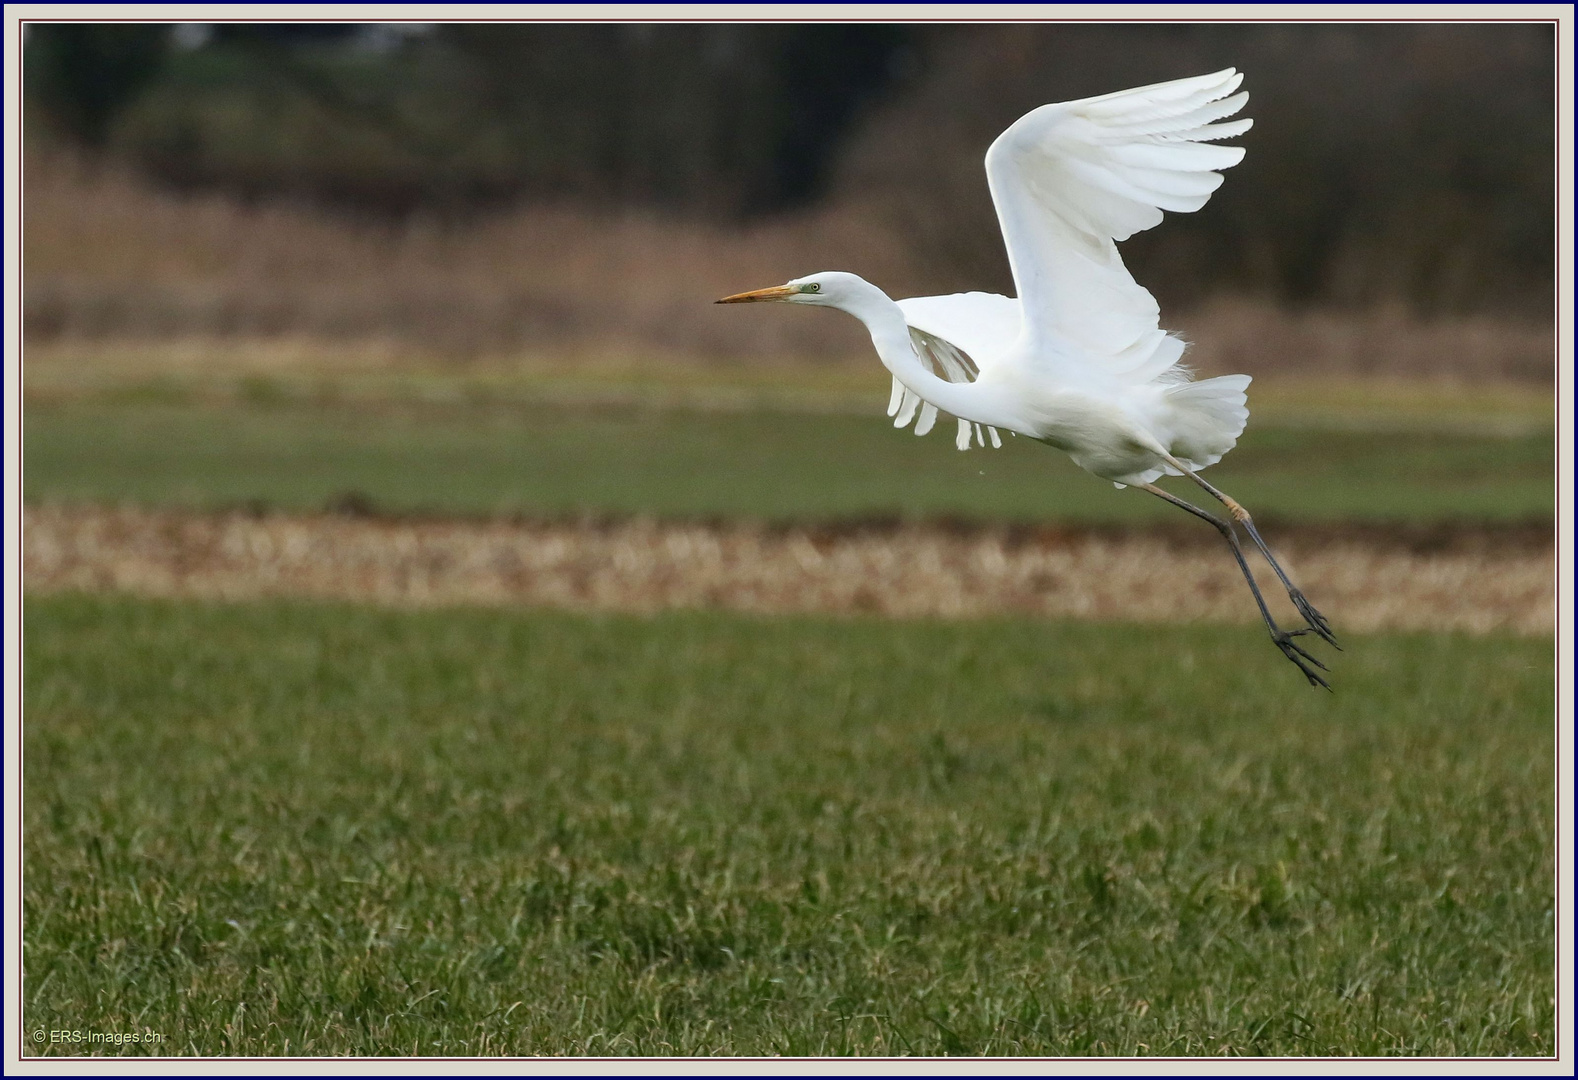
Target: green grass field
[[312, 829], [559, 459], [289, 828]]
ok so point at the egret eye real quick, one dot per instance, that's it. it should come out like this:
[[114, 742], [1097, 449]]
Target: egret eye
[[813, 287]]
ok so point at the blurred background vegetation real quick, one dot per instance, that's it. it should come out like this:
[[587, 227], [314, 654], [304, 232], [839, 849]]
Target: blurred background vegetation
[[483, 189], [465, 273]]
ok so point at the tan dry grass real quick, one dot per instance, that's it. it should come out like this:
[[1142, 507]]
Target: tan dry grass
[[1368, 582], [1234, 335], [107, 256]]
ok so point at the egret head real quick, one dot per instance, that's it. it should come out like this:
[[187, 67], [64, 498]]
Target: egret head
[[830, 289]]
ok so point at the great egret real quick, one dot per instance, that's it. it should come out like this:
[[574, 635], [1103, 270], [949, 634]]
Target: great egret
[[1079, 361]]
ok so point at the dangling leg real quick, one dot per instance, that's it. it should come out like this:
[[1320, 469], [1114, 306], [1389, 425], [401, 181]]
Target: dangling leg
[[1316, 620], [1282, 638]]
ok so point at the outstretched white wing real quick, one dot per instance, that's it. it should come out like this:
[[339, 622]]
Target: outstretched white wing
[[1070, 179]]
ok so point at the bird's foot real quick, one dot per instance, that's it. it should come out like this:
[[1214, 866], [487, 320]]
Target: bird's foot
[[1303, 660], [1317, 621]]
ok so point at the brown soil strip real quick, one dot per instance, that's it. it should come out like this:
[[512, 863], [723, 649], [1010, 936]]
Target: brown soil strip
[[1474, 579]]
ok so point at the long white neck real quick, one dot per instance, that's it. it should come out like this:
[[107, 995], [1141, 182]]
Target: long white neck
[[890, 333]]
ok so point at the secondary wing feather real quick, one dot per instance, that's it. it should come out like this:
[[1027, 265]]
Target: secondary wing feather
[[949, 362], [959, 334]]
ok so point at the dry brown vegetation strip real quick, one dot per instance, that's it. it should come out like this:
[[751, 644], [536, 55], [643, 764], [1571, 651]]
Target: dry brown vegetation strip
[[111, 257], [1475, 580]]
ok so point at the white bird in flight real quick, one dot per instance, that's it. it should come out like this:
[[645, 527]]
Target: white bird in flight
[[1079, 361]]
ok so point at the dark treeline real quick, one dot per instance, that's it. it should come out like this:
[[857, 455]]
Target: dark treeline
[[714, 119], [1391, 163]]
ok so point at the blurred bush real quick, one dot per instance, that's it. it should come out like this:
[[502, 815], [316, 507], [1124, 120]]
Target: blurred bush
[[1399, 164], [713, 119]]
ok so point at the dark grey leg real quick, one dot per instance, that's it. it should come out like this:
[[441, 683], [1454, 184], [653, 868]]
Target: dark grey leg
[[1316, 620], [1283, 638]]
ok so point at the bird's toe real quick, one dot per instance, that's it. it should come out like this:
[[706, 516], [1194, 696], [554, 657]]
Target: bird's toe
[[1301, 659]]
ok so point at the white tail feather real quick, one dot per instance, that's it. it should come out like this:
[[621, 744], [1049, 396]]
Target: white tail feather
[[1206, 418]]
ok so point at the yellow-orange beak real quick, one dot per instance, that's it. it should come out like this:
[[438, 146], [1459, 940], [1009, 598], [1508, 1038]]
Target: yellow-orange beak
[[777, 292]]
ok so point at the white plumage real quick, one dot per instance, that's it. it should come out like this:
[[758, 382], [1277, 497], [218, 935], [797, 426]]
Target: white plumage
[[1079, 360]]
